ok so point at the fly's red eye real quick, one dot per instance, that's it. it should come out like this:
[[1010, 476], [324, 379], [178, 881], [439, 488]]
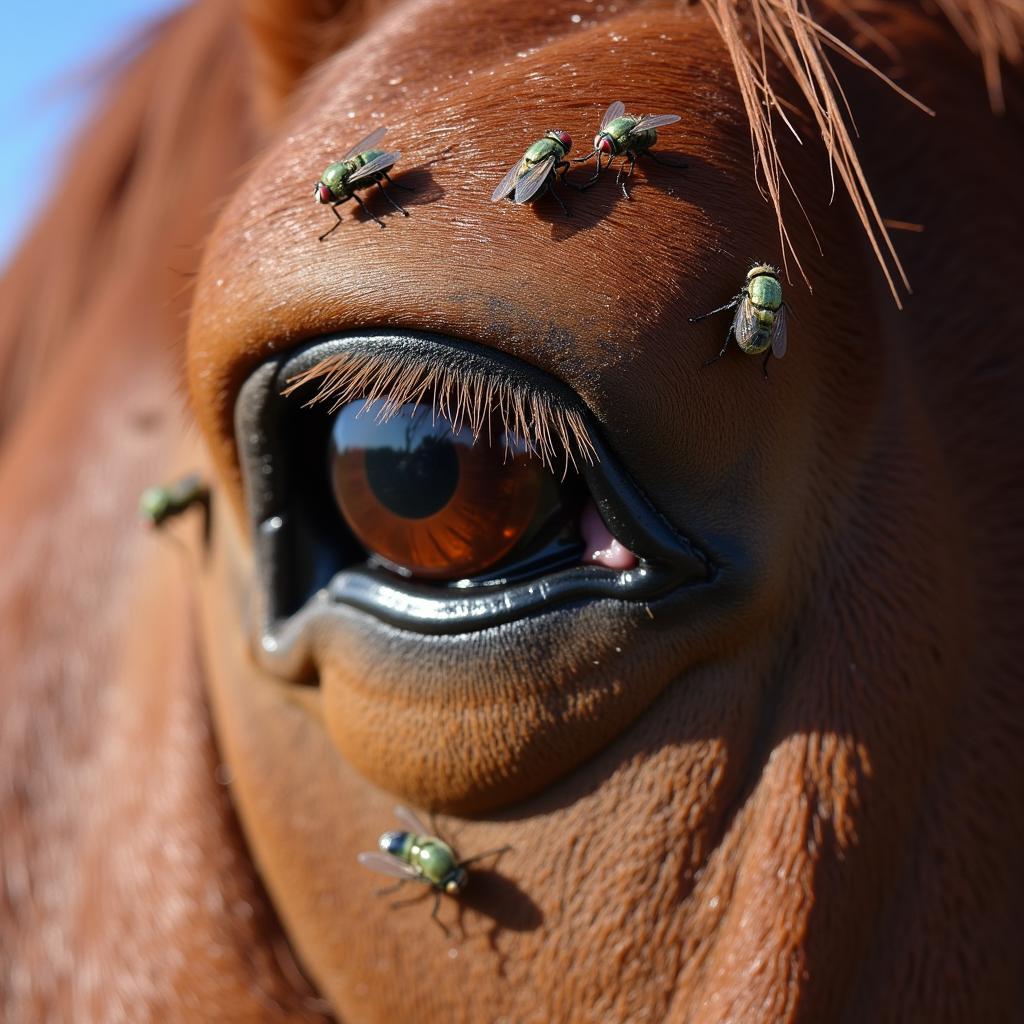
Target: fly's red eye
[[603, 144], [323, 193], [566, 139], [427, 499]]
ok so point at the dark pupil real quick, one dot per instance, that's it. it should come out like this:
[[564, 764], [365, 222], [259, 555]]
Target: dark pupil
[[416, 480], [432, 500]]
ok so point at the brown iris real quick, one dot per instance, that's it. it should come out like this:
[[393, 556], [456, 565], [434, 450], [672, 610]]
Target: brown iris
[[427, 499]]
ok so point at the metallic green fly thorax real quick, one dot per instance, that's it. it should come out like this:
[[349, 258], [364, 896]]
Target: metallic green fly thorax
[[618, 131], [362, 166], [336, 173], [542, 149], [759, 316], [434, 858], [765, 291]]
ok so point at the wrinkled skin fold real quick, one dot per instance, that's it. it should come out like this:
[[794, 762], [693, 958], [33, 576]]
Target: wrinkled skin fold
[[793, 796]]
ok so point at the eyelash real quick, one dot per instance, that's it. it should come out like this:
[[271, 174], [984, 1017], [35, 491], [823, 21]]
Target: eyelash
[[464, 398]]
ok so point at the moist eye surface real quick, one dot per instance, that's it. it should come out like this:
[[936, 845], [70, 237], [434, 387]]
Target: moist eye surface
[[433, 501]]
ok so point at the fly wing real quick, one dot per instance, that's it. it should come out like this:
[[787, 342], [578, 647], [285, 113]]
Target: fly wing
[[507, 183], [617, 109], [779, 332], [744, 323], [375, 166], [529, 184], [411, 821], [385, 864], [649, 121], [369, 142]]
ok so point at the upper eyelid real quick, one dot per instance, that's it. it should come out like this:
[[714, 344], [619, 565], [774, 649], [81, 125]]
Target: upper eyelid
[[467, 388]]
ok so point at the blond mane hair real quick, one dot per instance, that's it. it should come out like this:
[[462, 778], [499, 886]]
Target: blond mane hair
[[755, 30]]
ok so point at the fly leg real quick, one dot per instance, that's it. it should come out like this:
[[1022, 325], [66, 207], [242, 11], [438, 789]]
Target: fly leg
[[383, 192], [393, 888], [334, 210], [412, 899], [433, 915], [557, 197], [404, 188], [731, 304], [631, 157], [486, 853], [723, 350], [594, 177], [366, 210], [764, 365]]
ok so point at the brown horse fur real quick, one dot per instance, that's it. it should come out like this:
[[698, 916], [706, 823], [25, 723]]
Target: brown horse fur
[[808, 807]]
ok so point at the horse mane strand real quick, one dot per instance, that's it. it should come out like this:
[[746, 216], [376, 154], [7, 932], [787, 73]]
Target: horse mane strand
[[994, 30], [553, 431], [787, 29]]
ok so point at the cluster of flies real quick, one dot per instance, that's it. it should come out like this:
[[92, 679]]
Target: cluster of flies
[[759, 314], [533, 175], [417, 854]]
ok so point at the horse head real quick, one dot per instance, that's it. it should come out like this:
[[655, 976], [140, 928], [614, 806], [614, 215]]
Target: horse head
[[759, 764]]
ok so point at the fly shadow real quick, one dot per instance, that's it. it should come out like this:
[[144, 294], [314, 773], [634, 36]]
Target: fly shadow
[[409, 188], [690, 180], [508, 908]]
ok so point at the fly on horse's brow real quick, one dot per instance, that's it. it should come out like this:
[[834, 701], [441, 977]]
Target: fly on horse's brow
[[360, 167], [629, 136]]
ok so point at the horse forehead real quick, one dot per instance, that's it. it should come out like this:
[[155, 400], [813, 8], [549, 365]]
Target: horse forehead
[[605, 284], [599, 300]]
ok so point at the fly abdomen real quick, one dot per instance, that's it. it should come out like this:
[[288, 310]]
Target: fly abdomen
[[642, 141]]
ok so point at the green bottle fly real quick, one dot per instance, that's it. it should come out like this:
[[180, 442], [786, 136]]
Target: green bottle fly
[[165, 501], [629, 136], [759, 322], [362, 166], [414, 855], [537, 170]]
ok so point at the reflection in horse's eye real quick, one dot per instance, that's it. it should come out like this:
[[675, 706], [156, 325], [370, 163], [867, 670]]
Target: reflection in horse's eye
[[426, 500]]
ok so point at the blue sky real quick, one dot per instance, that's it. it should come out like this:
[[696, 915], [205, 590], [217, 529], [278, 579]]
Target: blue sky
[[42, 44]]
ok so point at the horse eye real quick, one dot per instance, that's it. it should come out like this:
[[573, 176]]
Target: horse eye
[[432, 501]]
